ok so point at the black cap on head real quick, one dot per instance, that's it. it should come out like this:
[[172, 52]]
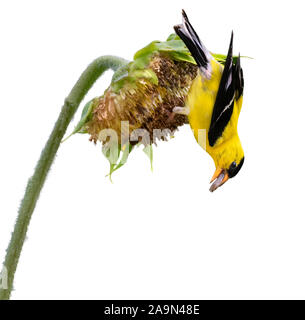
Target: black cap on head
[[234, 168]]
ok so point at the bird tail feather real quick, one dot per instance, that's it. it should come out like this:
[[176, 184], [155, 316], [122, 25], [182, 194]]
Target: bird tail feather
[[199, 52]]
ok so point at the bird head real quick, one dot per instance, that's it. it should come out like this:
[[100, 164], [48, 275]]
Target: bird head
[[228, 158]]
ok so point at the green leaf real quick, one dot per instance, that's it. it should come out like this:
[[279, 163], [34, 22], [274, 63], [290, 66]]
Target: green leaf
[[111, 152], [118, 158], [172, 45], [180, 56], [124, 157], [146, 51], [176, 49], [148, 150], [173, 36], [84, 118], [146, 74], [120, 73], [221, 58]]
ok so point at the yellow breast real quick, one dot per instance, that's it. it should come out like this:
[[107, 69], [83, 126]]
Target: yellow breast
[[201, 100]]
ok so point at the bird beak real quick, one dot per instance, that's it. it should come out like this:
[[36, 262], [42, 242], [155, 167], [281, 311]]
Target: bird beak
[[220, 177]]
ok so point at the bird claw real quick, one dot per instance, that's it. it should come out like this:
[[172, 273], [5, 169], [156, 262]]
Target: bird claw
[[181, 110]]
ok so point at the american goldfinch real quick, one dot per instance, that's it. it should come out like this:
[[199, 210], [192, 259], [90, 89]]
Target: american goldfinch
[[213, 105]]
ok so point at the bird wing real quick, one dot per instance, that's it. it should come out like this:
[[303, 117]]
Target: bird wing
[[199, 52], [230, 90], [239, 82]]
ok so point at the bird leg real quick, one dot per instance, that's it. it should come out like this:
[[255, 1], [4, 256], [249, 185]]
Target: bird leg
[[181, 110]]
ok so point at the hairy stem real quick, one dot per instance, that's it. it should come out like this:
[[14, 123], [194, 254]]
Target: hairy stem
[[36, 182]]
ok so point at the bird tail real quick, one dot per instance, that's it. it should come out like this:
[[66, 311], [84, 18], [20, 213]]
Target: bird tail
[[199, 52]]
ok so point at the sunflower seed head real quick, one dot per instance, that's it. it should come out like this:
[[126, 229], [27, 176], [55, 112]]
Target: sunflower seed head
[[144, 104]]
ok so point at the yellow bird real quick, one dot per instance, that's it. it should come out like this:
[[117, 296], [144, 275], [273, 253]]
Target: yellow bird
[[213, 105]]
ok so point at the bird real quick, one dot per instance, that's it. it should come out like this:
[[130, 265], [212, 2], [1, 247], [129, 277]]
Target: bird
[[213, 104]]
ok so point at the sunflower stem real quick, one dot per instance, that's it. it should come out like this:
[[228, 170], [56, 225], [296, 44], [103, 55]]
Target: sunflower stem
[[36, 182]]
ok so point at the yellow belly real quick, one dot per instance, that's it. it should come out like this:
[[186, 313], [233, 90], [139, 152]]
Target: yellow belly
[[201, 100]]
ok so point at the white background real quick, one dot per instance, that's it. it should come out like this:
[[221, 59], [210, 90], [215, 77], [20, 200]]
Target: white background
[[161, 234]]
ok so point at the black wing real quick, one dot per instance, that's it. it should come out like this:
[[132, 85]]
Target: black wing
[[189, 36], [239, 79], [224, 103]]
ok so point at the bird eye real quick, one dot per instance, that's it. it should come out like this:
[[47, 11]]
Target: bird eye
[[233, 165], [234, 168]]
